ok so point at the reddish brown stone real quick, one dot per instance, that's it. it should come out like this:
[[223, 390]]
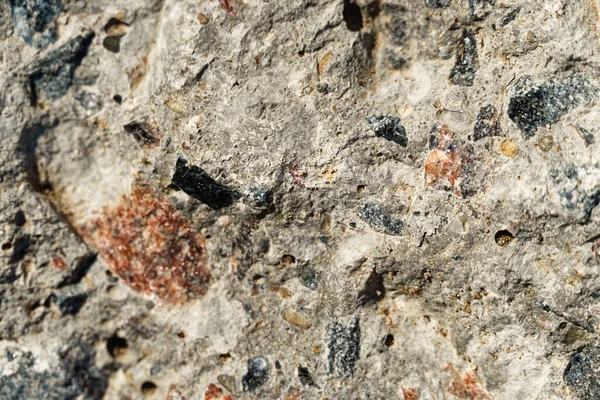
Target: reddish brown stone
[[58, 263], [466, 386], [175, 394], [410, 394], [215, 393], [148, 244]]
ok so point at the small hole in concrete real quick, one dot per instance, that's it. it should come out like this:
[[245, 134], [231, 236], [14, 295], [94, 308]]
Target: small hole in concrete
[[118, 99], [6, 246], [389, 340], [503, 238], [148, 388], [353, 16], [116, 346]]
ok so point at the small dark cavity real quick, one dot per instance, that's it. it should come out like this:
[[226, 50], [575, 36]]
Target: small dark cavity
[[71, 305], [194, 181], [510, 17], [389, 340], [256, 375], [118, 99], [344, 347], [19, 218], [305, 377], [20, 247], [488, 123], [503, 238], [373, 291], [388, 128], [379, 219], [6, 246], [144, 132], [533, 105], [115, 345], [374, 8], [148, 388], [466, 65], [352, 16]]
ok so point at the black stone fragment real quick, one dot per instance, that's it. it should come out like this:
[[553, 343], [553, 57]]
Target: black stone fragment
[[373, 291], [388, 128], [76, 376], [145, 133], [19, 218], [54, 74], [582, 374], [197, 183], [479, 9], [344, 347], [465, 68], [257, 374], [35, 20], [379, 219], [437, 3], [397, 29], [20, 248], [586, 135], [510, 17], [539, 104], [72, 305], [305, 377], [488, 123], [260, 197], [81, 269], [112, 43], [308, 277]]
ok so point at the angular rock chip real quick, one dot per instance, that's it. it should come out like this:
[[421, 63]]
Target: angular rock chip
[[583, 373], [379, 219], [388, 128], [145, 132], [53, 75], [305, 377], [373, 291], [488, 123], [197, 183], [35, 20], [465, 68], [257, 374], [539, 104], [344, 347], [148, 244]]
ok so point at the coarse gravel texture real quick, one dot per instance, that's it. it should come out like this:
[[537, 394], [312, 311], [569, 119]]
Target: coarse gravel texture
[[299, 199]]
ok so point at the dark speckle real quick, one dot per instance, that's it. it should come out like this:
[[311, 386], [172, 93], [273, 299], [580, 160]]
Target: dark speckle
[[479, 9], [257, 374], [352, 15], [586, 135], [144, 132], [465, 68], [379, 219], [388, 128], [508, 18], [19, 218], [197, 183], [344, 347], [437, 3], [71, 305], [20, 247], [308, 277], [539, 104]]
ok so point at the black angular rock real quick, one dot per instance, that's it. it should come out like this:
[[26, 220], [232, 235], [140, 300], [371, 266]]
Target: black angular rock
[[479, 9], [586, 135], [373, 291], [465, 68], [582, 374], [488, 123], [308, 277], [197, 183], [510, 17], [35, 20], [539, 104], [71, 305], [54, 74], [388, 128], [144, 132], [437, 3], [305, 377], [257, 374], [344, 347], [379, 219]]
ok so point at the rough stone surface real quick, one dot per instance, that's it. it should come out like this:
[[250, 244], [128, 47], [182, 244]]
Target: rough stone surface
[[333, 199]]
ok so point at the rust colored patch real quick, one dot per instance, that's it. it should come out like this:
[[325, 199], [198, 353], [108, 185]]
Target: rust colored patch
[[59, 263], [466, 386], [227, 5], [148, 244], [298, 175], [452, 165], [174, 394], [410, 394], [215, 393], [293, 394]]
